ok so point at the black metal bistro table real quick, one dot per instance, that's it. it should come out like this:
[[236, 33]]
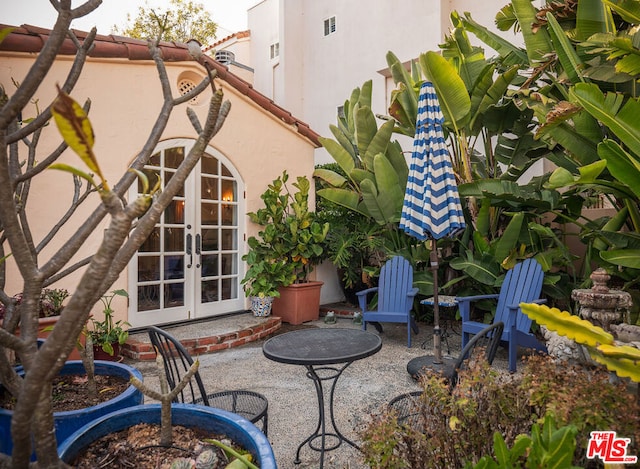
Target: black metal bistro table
[[325, 353]]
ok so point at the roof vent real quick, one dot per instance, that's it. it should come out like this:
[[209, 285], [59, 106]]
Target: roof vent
[[184, 86], [225, 57]]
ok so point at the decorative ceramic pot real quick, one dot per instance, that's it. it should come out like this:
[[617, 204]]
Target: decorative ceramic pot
[[261, 305], [68, 422], [210, 419]]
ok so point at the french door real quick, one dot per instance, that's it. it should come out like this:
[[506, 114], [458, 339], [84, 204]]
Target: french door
[[190, 265]]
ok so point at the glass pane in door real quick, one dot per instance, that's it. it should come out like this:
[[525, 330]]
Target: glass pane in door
[[161, 270]]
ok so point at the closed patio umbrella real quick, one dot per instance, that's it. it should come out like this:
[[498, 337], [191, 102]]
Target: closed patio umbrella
[[431, 208]]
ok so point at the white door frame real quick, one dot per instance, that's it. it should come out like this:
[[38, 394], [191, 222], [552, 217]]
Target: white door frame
[[221, 267]]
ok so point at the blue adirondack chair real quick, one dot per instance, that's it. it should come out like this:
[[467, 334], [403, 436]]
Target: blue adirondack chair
[[395, 297], [523, 283]]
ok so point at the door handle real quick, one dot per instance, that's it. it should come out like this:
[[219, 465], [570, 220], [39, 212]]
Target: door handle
[[189, 251], [198, 252]]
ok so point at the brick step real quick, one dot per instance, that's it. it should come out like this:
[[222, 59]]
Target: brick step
[[138, 347]]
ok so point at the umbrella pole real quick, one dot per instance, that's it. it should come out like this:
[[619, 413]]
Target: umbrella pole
[[437, 348]]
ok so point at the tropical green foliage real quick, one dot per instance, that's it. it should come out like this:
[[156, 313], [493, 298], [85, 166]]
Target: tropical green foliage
[[569, 96], [106, 333], [369, 181], [547, 447], [493, 143], [354, 242], [373, 169], [181, 21]]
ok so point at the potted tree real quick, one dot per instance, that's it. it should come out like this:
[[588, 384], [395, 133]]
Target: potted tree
[[292, 242], [115, 225], [68, 421], [108, 335], [142, 450]]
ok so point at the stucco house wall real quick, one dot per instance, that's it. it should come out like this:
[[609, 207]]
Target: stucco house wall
[[258, 138]]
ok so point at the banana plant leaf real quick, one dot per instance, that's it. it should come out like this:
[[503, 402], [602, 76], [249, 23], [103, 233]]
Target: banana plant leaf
[[339, 154], [378, 143], [623, 257], [569, 59], [453, 96], [538, 44], [629, 10], [344, 197], [488, 92], [509, 191], [344, 140], [621, 164], [593, 16], [383, 203], [333, 178], [365, 130], [502, 46], [484, 270], [623, 121], [509, 239]]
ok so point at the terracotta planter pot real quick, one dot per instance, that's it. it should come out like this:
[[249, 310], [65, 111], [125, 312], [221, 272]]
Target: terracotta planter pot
[[298, 303], [44, 326], [99, 354]]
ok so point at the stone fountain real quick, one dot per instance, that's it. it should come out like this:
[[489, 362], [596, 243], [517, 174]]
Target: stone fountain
[[600, 305], [603, 307]]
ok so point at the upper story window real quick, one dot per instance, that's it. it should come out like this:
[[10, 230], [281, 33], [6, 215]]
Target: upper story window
[[330, 26], [274, 50]]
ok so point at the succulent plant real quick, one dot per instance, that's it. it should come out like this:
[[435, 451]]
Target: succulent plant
[[208, 459], [183, 463]]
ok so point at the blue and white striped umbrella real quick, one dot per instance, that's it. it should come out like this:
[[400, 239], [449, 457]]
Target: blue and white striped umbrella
[[431, 206], [431, 203]]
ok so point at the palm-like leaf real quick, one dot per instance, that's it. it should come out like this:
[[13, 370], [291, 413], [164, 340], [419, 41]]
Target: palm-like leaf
[[567, 55], [499, 44], [623, 166], [593, 16], [629, 10], [538, 44], [454, 99], [624, 121]]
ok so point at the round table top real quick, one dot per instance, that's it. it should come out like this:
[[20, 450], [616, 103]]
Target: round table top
[[321, 346]]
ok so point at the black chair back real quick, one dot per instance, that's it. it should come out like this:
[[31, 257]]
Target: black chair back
[[177, 362], [489, 338]]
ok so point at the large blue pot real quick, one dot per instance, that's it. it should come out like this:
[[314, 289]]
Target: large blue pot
[[209, 419], [69, 421]]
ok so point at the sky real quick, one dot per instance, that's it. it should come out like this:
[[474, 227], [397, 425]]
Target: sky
[[231, 15]]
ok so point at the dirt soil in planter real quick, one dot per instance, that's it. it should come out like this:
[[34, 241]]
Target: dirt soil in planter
[[138, 447], [70, 392]]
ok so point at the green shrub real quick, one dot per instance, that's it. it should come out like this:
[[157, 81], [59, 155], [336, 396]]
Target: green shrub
[[457, 429]]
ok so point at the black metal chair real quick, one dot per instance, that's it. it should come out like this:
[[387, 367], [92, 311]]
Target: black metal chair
[[251, 405], [407, 405]]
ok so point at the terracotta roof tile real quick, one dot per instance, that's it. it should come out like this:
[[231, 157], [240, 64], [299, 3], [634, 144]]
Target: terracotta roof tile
[[237, 35], [31, 39]]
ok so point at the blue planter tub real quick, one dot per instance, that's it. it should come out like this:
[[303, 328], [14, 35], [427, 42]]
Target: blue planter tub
[[237, 428], [68, 422]]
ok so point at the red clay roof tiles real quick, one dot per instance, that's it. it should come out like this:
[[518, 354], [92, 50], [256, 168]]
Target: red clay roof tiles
[[31, 39]]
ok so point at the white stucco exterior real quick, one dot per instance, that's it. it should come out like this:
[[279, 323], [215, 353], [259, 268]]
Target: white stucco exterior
[[126, 97], [314, 73]]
